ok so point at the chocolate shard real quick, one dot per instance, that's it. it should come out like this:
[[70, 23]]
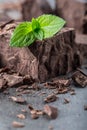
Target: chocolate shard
[[35, 113], [18, 99], [50, 98], [66, 100], [80, 79], [50, 111], [3, 83], [17, 124], [13, 79], [21, 116], [85, 107]]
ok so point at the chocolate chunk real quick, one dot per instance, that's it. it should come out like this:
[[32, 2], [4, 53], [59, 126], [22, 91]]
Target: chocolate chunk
[[50, 111], [17, 124], [80, 79], [35, 113], [18, 100], [66, 100], [50, 98], [85, 107], [21, 116]]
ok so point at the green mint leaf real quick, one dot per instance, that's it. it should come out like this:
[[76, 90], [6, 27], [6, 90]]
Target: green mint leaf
[[50, 24], [40, 28], [23, 41], [22, 35], [35, 25], [39, 34]]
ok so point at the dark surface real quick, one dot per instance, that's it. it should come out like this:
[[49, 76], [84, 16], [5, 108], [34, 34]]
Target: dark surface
[[71, 116]]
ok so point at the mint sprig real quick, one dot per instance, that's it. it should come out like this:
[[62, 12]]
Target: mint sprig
[[44, 26]]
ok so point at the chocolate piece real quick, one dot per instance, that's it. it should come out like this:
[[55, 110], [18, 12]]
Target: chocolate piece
[[50, 111], [50, 98], [80, 79], [85, 107], [17, 124], [18, 99], [21, 116], [66, 100]]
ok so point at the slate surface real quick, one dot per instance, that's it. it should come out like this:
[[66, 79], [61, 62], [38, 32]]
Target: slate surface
[[71, 116]]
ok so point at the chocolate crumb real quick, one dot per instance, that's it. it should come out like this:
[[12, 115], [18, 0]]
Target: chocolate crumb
[[18, 100], [21, 116], [51, 111], [85, 107], [17, 124], [66, 100], [50, 98]]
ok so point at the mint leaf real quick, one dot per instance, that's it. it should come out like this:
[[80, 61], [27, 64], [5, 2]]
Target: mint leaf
[[40, 28], [35, 25], [23, 41], [22, 35], [39, 34], [50, 24]]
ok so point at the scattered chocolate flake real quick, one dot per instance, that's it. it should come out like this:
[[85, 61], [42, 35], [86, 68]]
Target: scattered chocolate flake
[[57, 83], [80, 70], [73, 93], [13, 80], [50, 127], [34, 116], [35, 87], [22, 88], [80, 79], [50, 98], [4, 24], [85, 107], [24, 92], [17, 124], [49, 85], [66, 101], [35, 113], [2, 83], [26, 89], [24, 111], [6, 92], [18, 100], [61, 90], [64, 82], [27, 79], [61, 85], [21, 116], [42, 93], [30, 107], [51, 111]]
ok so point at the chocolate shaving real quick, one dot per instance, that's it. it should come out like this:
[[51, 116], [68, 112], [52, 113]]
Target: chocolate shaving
[[66, 100], [80, 79], [3, 83], [50, 98], [35, 113], [58, 83], [21, 116], [18, 100], [85, 107], [50, 111], [17, 124], [9, 22]]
